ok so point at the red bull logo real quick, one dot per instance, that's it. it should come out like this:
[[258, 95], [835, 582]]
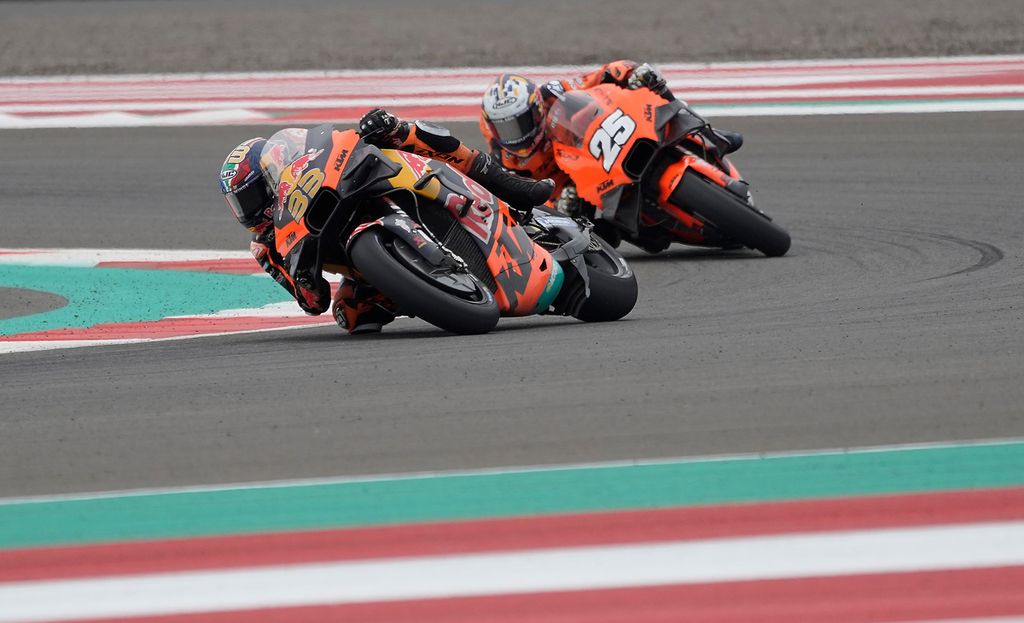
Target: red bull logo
[[418, 164], [300, 163], [274, 155], [283, 190]]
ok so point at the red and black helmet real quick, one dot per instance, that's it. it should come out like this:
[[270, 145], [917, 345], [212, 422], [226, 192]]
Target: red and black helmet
[[245, 186]]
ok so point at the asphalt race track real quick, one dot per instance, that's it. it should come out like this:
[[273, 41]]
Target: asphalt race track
[[896, 317]]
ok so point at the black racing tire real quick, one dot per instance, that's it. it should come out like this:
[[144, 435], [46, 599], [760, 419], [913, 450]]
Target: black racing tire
[[613, 287], [732, 216], [373, 255], [608, 232]]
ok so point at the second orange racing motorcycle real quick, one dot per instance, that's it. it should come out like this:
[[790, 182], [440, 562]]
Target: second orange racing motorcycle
[[439, 245], [655, 173]]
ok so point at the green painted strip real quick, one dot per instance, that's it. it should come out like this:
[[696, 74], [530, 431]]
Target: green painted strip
[[498, 494], [102, 295]]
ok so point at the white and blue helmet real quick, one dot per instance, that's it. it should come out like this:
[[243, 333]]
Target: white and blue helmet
[[512, 108]]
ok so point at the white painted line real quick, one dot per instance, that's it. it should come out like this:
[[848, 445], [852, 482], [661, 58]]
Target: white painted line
[[242, 110], [224, 93], [996, 619], [445, 71], [42, 345], [92, 257], [226, 96], [799, 110], [284, 309], [98, 120], [209, 117], [708, 110], [532, 571], [267, 104], [484, 472], [855, 92]]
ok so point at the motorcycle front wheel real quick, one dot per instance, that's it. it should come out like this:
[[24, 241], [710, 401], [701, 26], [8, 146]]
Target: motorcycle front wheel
[[451, 300], [731, 216], [613, 287]]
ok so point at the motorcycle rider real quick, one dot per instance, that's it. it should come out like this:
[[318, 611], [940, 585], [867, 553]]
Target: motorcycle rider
[[249, 182], [513, 110]]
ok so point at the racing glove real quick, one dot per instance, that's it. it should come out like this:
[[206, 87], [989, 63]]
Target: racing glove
[[312, 295], [645, 76], [569, 202], [379, 127]]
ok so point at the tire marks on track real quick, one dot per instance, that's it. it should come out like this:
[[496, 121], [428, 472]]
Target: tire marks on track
[[990, 254]]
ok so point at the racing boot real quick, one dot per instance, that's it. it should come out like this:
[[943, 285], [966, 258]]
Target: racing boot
[[360, 308], [521, 193]]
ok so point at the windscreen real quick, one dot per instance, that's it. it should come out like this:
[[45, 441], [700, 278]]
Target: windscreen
[[569, 118], [281, 150]]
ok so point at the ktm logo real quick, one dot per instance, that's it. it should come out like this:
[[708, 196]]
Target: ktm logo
[[340, 160]]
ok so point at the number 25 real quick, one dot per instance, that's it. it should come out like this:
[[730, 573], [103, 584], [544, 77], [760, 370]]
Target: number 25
[[608, 140]]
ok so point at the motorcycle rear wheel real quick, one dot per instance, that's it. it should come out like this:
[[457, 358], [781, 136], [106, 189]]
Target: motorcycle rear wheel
[[468, 308], [613, 287], [733, 217]]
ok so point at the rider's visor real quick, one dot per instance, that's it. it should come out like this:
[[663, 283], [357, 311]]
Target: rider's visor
[[518, 131], [250, 202]]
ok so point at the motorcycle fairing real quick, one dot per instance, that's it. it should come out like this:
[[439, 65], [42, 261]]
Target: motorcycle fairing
[[595, 131], [336, 165], [298, 182]]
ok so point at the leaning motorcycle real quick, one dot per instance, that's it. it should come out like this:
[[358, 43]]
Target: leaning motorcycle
[[654, 172], [439, 245]]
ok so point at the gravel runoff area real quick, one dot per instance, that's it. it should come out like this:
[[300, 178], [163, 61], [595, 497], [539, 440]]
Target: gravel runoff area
[[125, 36]]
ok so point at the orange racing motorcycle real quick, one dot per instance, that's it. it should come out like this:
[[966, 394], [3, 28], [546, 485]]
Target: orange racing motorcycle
[[655, 172], [438, 244]]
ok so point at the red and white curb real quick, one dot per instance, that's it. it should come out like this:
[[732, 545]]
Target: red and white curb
[[864, 86], [786, 557], [884, 558]]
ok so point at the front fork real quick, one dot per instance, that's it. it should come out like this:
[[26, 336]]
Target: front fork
[[574, 238], [415, 235], [673, 176]]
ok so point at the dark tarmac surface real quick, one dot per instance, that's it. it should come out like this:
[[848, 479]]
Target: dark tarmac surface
[[18, 302], [895, 318]]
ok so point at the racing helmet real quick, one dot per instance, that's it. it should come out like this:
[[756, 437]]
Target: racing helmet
[[245, 186], [511, 108]]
